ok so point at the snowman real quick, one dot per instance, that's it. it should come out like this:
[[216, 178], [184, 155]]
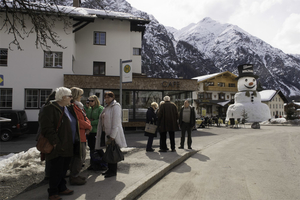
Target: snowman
[[247, 100]]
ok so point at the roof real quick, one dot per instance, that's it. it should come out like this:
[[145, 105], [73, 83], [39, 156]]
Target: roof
[[78, 11], [210, 76], [268, 95]]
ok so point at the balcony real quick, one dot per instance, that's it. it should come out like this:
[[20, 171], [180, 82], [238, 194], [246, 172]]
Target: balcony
[[221, 89]]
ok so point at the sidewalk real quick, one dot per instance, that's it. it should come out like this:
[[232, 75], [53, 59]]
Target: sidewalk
[[140, 169]]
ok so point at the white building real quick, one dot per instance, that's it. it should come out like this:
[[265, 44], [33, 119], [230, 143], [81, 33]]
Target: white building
[[275, 100], [95, 44]]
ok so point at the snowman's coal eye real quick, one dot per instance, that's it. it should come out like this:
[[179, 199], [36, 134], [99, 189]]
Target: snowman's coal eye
[[254, 80], [246, 80]]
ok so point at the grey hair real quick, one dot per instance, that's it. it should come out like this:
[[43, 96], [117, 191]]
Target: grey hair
[[61, 92], [166, 98]]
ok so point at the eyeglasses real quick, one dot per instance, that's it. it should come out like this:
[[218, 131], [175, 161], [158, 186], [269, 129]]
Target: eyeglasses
[[91, 100], [69, 96]]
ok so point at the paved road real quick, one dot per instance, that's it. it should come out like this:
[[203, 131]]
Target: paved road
[[260, 164]]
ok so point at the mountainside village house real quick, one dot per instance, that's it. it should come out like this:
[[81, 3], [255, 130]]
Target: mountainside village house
[[95, 44], [214, 93], [276, 100]]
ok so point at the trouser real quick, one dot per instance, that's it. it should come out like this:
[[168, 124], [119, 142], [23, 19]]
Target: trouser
[[185, 127], [112, 167], [163, 140], [91, 142], [57, 170], [83, 151], [77, 161], [150, 142]]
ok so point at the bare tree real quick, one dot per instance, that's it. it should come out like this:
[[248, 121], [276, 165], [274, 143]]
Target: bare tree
[[22, 18]]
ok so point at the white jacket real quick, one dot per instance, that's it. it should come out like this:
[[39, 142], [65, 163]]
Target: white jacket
[[113, 125]]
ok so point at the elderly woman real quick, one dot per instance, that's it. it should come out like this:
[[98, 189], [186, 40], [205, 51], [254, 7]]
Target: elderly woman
[[84, 126], [151, 118], [57, 125], [111, 125], [93, 115]]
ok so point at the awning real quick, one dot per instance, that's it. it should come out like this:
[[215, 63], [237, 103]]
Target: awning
[[223, 103]]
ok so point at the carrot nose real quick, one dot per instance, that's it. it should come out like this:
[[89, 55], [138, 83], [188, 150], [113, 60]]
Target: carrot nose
[[251, 83]]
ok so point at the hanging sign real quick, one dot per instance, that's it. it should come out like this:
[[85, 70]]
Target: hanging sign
[[127, 71]]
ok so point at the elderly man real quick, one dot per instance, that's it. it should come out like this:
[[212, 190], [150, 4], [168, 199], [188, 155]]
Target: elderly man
[[167, 121], [187, 118]]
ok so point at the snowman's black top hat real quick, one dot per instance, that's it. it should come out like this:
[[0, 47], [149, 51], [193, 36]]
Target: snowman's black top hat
[[246, 70]]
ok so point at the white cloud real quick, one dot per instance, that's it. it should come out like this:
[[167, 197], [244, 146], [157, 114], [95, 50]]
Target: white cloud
[[289, 36]]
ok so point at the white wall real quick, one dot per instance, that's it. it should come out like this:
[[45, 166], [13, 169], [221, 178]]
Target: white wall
[[26, 70], [119, 44]]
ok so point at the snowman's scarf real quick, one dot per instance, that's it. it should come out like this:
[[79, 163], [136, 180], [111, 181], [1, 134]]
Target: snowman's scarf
[[248, 93]]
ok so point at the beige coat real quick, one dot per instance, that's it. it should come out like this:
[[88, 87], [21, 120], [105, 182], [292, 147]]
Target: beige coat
[[111, 119]]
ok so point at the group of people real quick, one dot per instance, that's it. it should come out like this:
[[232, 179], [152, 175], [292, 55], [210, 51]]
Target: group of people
[[68, 125], [168, 120]]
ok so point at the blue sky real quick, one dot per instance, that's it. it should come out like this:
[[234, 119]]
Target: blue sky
[[277, 22]]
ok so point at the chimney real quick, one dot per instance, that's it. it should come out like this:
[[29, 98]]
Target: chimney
[[76, 3]]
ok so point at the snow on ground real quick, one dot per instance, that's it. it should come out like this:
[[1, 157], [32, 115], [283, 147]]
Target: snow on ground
[[24, 169]]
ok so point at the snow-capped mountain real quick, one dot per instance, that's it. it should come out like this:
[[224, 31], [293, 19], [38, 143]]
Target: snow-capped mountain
[[208, 47]]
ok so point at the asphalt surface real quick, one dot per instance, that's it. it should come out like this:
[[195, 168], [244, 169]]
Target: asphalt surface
[[140, 169]]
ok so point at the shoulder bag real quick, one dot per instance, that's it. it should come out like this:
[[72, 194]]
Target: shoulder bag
[[43, 144], [113, 153], [150, 128]]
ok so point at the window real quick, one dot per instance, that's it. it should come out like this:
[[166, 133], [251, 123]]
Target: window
[[220, 84], [137, 51], [222, 96], [5, 98], [209, 84], [232, 96], [205, 96], [3, 57], [53, 59], [100, 38], [35, 98], [99, 68], [231, 84], [201, 96]]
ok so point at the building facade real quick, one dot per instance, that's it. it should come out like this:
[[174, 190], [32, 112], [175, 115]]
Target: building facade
[[91, 61], [276, 100], [215, 92], [29, 76]]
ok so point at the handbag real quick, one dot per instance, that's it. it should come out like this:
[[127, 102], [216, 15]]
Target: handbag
[[150, 128], [43, 144], [113, 153]]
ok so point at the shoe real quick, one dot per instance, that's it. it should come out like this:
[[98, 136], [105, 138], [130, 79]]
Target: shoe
[[76, 181], [180, 147], [173, 150], [190, 147], [149, 150], [66, 192], [167, 149], [54, 197], [81, 177], [162, 150], [110, 175], [107, 172]]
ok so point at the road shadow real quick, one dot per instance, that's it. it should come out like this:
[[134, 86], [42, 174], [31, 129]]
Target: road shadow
[[201, 157]]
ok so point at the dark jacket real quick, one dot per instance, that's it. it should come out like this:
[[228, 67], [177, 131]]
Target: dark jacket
[[192, 116], [63, 139], [151, 117], [167, 117]]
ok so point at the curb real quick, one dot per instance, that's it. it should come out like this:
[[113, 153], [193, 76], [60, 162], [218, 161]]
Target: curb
[[133, 191]]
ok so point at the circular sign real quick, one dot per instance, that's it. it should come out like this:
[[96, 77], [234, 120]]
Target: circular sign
[[127, 68]]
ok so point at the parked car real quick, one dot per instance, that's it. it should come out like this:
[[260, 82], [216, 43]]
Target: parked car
[[15, 127]]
